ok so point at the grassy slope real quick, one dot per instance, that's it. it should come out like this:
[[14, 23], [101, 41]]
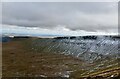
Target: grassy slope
[[0, 60], [19, 59]]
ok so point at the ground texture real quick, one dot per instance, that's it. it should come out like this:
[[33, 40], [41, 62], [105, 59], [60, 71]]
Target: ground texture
[[20, 60]]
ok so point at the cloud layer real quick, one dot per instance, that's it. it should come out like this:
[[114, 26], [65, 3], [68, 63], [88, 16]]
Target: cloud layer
[[81, 16]]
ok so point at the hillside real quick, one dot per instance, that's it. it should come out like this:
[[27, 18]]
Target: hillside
[[58, 57]]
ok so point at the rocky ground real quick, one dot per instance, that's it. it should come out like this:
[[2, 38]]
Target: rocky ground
[[20, 60]]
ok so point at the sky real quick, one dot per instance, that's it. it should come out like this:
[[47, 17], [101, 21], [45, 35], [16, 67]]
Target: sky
[[60, 18]]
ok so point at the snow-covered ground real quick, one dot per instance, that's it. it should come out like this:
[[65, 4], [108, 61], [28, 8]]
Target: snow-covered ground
[[87, 49]]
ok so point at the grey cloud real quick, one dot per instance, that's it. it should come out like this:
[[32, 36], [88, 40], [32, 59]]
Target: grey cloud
[[74, 16]]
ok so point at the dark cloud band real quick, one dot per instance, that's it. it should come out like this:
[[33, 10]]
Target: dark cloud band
[[88, 16]]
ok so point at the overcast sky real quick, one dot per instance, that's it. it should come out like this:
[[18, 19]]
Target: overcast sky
[[60, 18]]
